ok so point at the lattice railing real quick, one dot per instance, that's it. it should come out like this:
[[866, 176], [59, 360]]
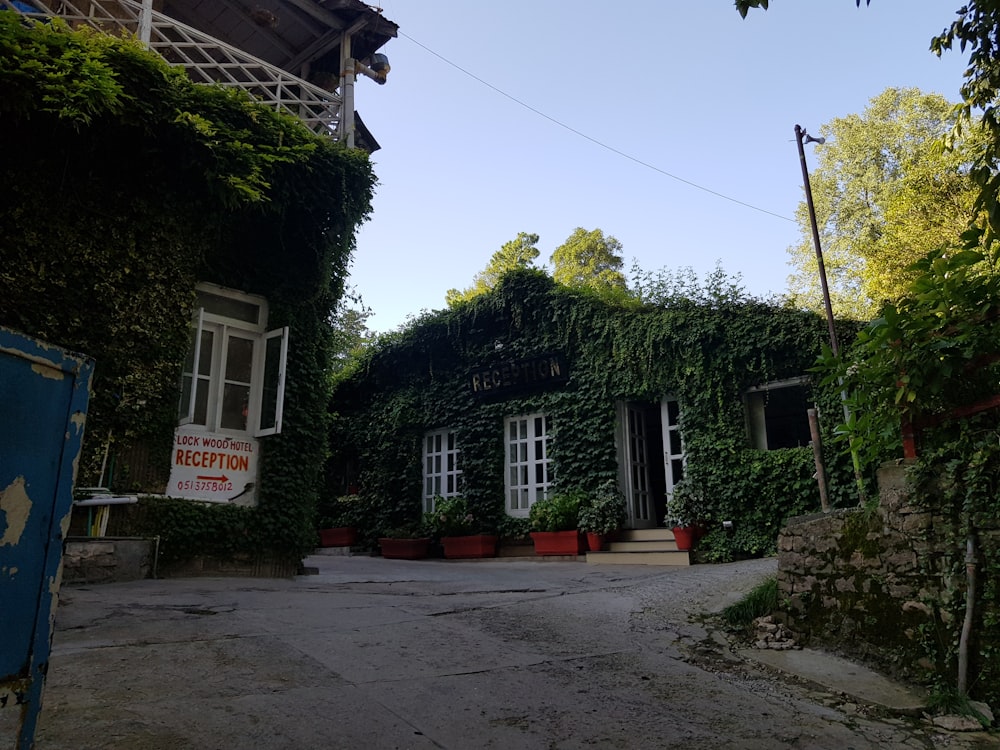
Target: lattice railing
[[205, 58]]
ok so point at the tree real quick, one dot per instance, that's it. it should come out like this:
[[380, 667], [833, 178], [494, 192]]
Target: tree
[[977, 28], [518, 253], [591, 260], [886, 193]]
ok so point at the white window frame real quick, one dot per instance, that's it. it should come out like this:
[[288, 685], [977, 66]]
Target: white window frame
[[755, 400], [527, 466], [442, 471], [224, 328]]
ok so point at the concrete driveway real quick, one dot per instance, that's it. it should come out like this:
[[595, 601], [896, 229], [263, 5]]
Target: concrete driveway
[[376, 653]]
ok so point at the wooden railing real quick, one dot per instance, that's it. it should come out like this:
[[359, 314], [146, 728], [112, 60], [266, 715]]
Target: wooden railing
[[205, 58]]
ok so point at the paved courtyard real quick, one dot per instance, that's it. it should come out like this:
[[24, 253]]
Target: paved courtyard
[[376, 653]]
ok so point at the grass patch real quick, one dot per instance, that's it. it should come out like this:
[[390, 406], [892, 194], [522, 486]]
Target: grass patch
[[761, 600]]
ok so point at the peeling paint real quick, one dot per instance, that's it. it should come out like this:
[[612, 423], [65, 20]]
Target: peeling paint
[[78, 419], [16, 507], [48, 371]]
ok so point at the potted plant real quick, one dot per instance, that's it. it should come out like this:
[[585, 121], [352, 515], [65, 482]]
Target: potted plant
[[409, 541], [554, 524], [462, 533], [684, 506], [338, 521], [602, 513]]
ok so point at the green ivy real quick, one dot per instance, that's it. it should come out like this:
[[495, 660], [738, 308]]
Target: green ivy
[[705, 355], [123, 184]]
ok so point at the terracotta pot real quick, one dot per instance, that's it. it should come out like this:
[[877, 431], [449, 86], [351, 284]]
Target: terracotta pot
[[404, 549], [557, 542], [684, 536], [473, 545], [594, 541], [342, 536]]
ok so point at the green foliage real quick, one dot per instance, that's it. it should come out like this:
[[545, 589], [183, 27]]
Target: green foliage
[[924, 355], [761, 600], [127, 185], [885, 193], [603, 511], [592, 261], [559, 512], [705, 355], [453, 516], [975, 31], [518, 253], [339, 512], [189, 529], [408, 530], [686, 505]]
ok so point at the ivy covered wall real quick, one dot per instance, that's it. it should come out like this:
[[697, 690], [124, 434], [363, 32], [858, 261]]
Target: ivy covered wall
[[704, 354], [122, 185]]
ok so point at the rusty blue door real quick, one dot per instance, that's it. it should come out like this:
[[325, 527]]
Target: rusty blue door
[[43, 401]]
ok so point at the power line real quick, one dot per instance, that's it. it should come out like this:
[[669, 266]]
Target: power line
[[603, 145]]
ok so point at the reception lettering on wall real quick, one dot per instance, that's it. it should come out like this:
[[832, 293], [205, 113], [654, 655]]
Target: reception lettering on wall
[[543, 371]]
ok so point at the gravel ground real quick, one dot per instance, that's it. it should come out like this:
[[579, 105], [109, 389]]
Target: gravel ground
[[375, 653]]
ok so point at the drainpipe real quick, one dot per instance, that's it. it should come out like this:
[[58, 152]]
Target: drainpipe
[[970, 602]]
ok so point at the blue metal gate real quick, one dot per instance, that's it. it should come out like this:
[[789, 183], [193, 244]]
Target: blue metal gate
[[43, 402]]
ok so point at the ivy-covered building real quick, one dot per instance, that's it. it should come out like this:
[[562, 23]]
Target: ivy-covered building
[[182, 206], [535, 388]]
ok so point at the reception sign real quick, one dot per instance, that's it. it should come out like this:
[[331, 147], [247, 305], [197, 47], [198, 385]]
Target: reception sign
[[211, 466]]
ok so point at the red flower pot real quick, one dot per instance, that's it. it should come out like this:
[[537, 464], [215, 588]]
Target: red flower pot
[[342, 536], [557, 542], [404, 549], [594, 541], [473, 545], [685, 536]]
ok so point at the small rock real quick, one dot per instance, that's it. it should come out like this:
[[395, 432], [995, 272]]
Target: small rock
[[983, 710], [957, 723]]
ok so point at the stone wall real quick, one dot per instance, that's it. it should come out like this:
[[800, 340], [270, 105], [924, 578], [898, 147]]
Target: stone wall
[[106, 559], [864, 582]]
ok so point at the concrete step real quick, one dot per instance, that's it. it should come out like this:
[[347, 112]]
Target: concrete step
[[644, 535], [672, 557], [653, 545]]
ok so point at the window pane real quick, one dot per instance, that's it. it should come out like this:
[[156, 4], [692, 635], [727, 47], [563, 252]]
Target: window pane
[[201, 402], [205, 355], [229, 307], [673, 412], [675, 442], [239, 359], [235, 399]]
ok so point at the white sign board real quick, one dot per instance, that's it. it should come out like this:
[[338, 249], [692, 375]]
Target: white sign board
[[211, 466]]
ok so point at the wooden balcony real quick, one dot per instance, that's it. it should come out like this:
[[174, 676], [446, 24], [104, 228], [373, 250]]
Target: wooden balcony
[[247, 51]]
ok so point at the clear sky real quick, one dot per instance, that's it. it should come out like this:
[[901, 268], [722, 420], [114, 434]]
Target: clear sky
[[547, 115]]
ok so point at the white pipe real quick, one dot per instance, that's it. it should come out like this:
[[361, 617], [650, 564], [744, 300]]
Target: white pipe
[[106, 500]]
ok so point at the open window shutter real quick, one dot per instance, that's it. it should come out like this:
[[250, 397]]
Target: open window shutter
[[189, 390], [272, 398]]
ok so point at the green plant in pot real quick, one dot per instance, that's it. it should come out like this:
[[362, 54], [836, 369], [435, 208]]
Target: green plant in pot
[[602, 513], [407, 541], [462, 532], [338, 521], [555, 523], [685, 510]]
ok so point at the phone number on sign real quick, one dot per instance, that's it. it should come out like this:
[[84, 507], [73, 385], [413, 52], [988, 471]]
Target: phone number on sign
[[199, 486]]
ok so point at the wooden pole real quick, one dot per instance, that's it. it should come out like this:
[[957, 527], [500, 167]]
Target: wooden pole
[[817, 445]]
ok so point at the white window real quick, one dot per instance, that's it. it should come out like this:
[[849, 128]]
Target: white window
[[238, 383], [441, 471], [777, 414], [528, 471]]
